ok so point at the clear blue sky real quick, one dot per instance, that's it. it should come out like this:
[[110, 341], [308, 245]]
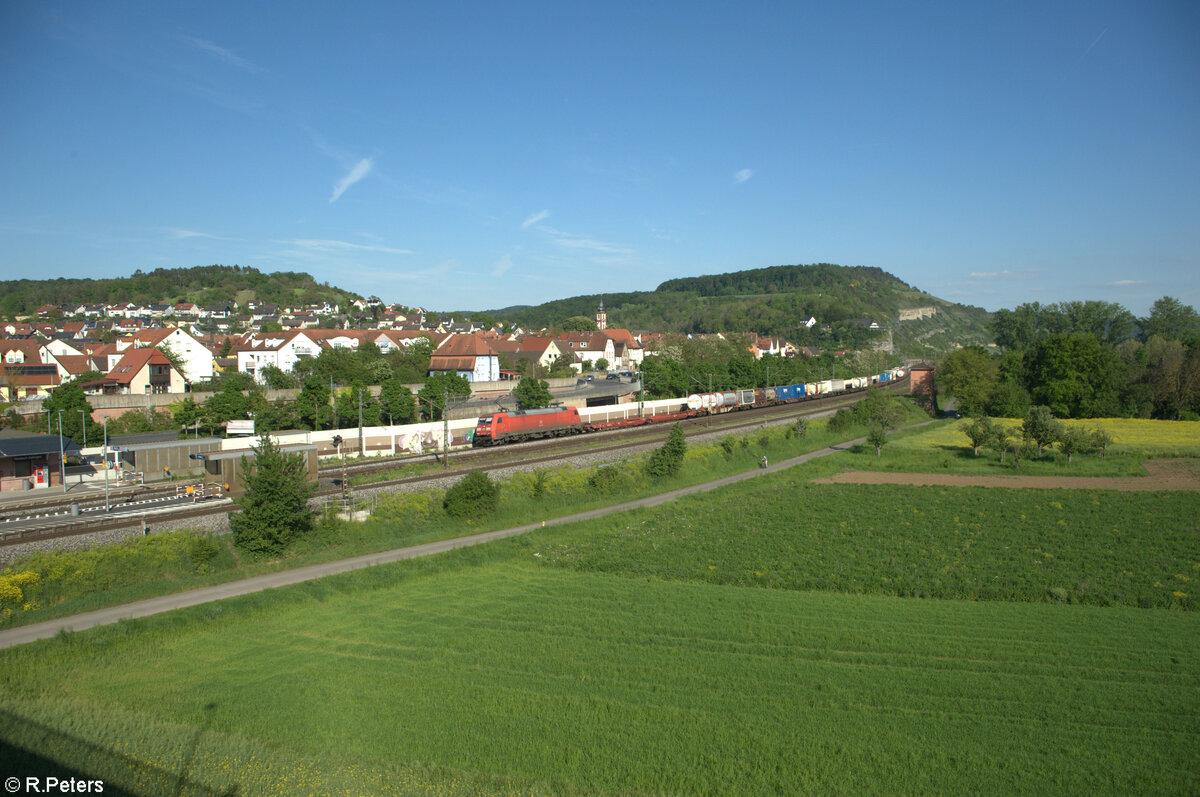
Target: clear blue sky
[[471, 156]]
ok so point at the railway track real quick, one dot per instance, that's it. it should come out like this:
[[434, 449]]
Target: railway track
[[61, 522]]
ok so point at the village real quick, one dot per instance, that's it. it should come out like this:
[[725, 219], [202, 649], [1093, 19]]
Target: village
[[127, 349]]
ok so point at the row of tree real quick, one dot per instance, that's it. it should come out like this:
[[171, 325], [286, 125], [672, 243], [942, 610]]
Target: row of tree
[[1082, 360], [1039, 430]]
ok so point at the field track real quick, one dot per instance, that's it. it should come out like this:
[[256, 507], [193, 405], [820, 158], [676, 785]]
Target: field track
[[1162, 474]]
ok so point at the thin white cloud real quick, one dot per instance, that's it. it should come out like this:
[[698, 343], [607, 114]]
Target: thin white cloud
[[1004, 274], [742, 175], [181, 235], [571, 241], [534, 219], [501, 266], [1126, 283], [1093, 44], [223, 55], [360, 170], [329, 245]]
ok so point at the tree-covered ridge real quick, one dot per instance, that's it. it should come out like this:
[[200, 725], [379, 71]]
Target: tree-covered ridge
[[777, 301], [788, 279], [204, 285]]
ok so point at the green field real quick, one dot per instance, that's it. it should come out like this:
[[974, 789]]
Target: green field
[[510, 678], [772, 637]]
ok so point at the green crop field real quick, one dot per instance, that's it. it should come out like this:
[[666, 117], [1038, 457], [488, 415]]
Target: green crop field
[[512, 678], [772, 637]]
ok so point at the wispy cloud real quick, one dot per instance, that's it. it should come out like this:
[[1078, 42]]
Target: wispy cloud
[[1004, 275], [501, 266], [742, 175], [1126, 283], [181, 235], [360, 170], [329, 245], [223, 55], [571, 241], [534, 219], [1093, 44]]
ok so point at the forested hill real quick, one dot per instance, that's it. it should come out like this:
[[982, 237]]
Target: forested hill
[[785, 279], [204, 285], [777, 301]]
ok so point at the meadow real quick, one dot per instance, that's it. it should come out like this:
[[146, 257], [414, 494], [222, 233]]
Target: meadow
[[505, 677]]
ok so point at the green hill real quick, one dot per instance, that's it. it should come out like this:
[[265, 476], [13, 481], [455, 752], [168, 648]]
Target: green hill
[[204, 285], [778, 301]]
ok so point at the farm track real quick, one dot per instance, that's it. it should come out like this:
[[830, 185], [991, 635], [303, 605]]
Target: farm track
[[1161, 475]]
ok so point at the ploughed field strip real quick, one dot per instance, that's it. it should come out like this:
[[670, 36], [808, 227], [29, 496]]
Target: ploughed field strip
[[1161, 475]]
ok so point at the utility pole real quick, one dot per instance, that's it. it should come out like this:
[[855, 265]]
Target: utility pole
[[445, 427], [83, 420], [360, 426]]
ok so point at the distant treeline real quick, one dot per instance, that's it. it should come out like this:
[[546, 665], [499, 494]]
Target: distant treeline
[[204, 285], [1083, 360]]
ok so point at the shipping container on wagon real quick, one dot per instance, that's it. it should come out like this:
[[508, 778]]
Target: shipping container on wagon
[[730, 399], [786, 393], [837, 385], [825, 386], [886, 376], [745, 398], [812, 389]]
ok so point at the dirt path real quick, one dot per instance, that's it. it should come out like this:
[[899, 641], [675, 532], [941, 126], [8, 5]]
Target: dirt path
[[1162, 474]]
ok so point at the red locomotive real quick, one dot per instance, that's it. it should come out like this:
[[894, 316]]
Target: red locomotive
[[512, 427]]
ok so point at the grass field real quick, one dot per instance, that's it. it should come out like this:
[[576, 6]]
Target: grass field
[[510, 678], [772, 637]]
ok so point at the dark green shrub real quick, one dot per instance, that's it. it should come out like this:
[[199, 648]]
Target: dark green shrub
[[202, 550], [610, 479], [472, 497], [667, 461], [842, 420]]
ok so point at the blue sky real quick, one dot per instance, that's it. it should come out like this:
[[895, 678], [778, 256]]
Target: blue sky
[[472, 156]]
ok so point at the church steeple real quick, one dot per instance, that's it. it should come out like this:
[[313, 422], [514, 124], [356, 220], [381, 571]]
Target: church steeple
[[601, 316]]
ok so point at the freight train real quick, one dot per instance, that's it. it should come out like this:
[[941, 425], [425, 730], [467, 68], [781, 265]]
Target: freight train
[[516, 427]]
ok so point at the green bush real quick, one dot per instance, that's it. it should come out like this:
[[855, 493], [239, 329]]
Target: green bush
[[202, 550], [610, 479], [842, 420], [474, 496], [667, 461]]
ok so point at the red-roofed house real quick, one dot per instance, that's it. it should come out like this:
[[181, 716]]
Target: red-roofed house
[[469, 356], [142, 371]]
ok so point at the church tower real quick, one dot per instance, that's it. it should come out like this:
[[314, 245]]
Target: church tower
[[601, 317]]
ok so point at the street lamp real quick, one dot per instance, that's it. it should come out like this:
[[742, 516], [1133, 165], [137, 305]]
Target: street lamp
[[83, 420]]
